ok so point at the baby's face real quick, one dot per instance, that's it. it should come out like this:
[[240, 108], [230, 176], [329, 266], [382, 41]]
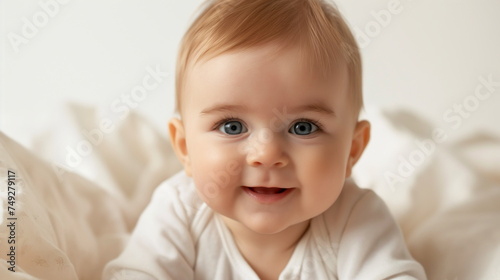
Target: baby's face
[[267, 144]]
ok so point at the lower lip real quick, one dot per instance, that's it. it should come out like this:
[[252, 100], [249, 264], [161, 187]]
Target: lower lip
[[267, 198]]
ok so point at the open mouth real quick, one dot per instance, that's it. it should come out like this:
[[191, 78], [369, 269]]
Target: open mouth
[[267, 195], [263, 190]]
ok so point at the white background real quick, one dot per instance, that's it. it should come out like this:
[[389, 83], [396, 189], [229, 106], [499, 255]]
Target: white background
[[427, 57]]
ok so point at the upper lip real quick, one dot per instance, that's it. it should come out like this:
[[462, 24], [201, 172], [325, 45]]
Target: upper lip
[[267, 187]]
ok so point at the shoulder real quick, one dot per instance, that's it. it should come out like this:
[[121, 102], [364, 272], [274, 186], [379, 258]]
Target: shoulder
[[163, 237], [178, 192], [352, 198], [179, 182], [363, 238], [354, 206]]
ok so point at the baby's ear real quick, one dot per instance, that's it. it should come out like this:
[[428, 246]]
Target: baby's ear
[[178, 141], [360, 139]]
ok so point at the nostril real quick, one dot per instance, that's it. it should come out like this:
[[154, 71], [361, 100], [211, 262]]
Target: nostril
[[279, 164], [256, 163]]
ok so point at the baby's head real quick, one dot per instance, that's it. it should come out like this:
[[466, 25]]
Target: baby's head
[[269, 94], [315, 28]]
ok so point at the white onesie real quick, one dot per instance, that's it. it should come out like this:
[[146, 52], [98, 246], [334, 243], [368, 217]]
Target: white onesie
[[179, 237]]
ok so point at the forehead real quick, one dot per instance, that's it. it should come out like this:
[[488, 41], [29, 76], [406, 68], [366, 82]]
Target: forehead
[[290, 56], [262, 73]]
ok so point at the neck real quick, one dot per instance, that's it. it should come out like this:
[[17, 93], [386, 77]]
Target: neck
[[267, 254], [250, 242]]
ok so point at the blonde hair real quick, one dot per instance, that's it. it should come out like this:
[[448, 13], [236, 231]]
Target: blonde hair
[[316, 26]]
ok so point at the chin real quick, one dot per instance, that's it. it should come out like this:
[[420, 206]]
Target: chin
[[267, 231], [266, 227]]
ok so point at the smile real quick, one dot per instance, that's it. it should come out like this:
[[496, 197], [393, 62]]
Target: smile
[[267, 195]]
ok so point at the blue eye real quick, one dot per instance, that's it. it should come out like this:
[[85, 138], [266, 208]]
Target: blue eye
[[303, 128], [232, 128]]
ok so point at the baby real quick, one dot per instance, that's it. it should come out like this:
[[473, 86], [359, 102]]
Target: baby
[[268, 96]]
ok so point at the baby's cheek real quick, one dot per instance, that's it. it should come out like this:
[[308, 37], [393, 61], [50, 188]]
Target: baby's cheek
[[216, 171], [321, 167], [315, 159]]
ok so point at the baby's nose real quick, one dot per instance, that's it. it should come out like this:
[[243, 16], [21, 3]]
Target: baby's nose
[[267, 152]]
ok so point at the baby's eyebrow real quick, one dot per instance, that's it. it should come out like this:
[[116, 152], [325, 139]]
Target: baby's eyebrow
[[221, 108], [318, 107]]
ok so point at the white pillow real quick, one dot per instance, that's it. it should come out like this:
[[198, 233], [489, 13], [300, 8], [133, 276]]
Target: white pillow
[[67, 227]]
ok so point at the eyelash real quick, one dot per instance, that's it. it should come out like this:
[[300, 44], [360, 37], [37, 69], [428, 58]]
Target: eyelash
[[229, 118], [315, 122], [225, 119]]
